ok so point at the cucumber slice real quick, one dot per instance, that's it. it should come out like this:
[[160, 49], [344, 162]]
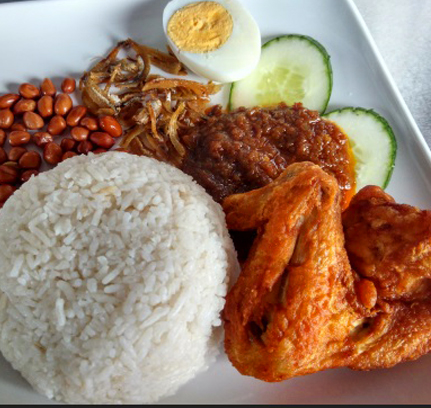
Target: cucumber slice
[[373, 144], [292, 68]]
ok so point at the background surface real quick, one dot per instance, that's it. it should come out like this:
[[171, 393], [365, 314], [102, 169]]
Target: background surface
[[402, 31]]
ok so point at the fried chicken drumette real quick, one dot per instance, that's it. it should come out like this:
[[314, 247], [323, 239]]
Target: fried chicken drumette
[[298, 307], [390, 244]]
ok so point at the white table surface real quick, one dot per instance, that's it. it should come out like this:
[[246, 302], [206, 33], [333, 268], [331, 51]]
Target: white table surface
[[402, 31]]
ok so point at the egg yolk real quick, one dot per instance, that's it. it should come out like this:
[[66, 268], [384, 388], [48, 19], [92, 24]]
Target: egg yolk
[[200, 27]]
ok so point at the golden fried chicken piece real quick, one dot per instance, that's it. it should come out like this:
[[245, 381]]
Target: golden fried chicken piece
[[294, 305], [298, 307], [390, 244]]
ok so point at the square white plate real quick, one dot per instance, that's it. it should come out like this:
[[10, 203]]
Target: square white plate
[[60, 38]]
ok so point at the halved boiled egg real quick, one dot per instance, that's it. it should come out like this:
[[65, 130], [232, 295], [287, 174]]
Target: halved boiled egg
[[218, 39]]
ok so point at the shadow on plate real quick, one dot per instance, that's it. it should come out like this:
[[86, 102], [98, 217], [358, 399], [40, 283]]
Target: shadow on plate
[[147, 17], [11, 376], [358, 387], [12, 1], [403, 384]]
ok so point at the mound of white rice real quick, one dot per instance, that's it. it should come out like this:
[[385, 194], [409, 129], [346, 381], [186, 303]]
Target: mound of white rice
[[112, 277]]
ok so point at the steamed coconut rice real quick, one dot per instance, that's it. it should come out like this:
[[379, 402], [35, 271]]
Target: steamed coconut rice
[[113, 272]]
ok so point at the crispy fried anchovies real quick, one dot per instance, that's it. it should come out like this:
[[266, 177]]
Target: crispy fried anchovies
[[152, 109]]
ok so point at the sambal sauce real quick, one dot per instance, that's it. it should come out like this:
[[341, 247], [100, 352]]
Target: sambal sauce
[[239, 151]]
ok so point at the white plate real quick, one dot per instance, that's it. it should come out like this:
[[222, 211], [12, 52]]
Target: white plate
[[59, 38]]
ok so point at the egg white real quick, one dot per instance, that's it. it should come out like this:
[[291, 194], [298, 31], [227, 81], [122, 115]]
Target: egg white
[[235, 59]]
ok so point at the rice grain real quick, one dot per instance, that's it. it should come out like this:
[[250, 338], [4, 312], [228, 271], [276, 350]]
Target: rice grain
[[113, 272]]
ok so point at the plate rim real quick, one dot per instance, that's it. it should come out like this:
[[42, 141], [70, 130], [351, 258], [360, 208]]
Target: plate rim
[[385, 74], [389, 79]]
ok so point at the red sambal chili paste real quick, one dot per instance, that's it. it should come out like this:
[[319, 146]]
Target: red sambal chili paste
[[235, 152]]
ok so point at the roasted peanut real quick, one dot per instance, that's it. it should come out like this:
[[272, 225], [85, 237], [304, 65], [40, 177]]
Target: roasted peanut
[[79, 133], [68, 144], [48, 88], [68, 85], [56, 125], [18, 126], [3, 155], [18, 138], [63, 104], [30, 160], [89, 123], [102, 139], [26, 175], [29, 91], [6, 118], [15, 153], [2, 137], [8, 100], [40, 139], [45, 106], [12, 164], [52, 153], [33, 121], [24, 105], [111, 126], [84, 147], [68, 155], [6, 191], [75, 115], [8, 174]]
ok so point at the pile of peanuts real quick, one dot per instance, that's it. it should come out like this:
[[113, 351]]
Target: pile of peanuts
[[41, 116]]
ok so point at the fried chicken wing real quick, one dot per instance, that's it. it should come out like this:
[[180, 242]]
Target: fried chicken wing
[[299, 307], [294, 305], [390, 244]]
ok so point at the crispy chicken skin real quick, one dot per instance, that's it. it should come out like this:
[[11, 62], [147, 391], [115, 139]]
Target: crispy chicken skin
[[390, 244], [293, 307], [298, 307]]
